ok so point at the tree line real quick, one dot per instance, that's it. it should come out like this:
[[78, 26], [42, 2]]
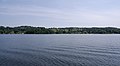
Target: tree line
[[67, 30]]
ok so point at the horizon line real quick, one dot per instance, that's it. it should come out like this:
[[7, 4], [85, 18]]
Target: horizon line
[[65, 26]]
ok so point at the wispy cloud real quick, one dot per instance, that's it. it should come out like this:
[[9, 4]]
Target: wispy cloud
[[73, 15]]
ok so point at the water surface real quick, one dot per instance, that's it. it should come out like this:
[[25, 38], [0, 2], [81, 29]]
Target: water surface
[[60, 50]]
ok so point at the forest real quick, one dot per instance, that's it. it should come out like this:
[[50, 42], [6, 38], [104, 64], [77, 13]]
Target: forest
[[66, 30]]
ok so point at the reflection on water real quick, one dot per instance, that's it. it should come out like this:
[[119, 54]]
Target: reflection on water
[[59, 50]]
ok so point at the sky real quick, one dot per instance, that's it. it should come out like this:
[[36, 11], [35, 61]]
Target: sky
[[60, 13]]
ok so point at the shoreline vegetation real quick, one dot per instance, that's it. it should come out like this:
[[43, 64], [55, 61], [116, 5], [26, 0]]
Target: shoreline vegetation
[[67, 30]]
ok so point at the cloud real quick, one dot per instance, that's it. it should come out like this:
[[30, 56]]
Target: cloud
[[85, 16]]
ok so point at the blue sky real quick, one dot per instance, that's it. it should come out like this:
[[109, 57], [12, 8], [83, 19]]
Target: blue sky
[[60, 13]]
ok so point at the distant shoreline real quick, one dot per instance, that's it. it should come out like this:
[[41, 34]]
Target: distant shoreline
[[59, 34], [67, 30]]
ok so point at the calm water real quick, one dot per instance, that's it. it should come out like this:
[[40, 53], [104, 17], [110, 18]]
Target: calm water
[[60, 50]]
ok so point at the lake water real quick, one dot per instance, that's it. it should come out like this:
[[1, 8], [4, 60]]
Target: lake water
[[60, 50]]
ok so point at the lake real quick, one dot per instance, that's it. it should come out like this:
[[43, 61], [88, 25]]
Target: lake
[[60, 50]]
